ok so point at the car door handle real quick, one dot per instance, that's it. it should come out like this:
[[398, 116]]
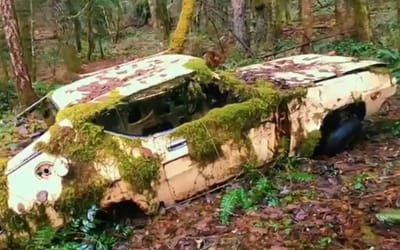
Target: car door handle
[[175, 145]]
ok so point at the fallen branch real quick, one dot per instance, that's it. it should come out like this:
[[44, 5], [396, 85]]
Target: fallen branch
[[302, 44]]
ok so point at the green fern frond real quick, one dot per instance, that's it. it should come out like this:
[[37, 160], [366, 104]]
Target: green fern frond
[[232, 200], [298, 176], [42, 238]]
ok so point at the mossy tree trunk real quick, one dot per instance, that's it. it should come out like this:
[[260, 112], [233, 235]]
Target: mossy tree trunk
[[155, 22], [162, 16], [264, 30], [398, 12], [362, 26], [77, 24], [64, 31], [288, 16], [89, 32], [239, 25], [307, 21], [23, 14], [5, 77], [177, 44], [4, 71], [280, 16], [26, 95], [340, 15]]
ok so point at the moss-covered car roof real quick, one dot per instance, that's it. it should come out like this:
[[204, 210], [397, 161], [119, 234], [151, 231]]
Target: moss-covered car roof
[[128, 78]]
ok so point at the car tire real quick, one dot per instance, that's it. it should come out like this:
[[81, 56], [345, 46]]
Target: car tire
[[342, 136]]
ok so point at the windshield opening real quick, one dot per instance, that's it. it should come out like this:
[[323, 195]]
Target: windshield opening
[[37, 118]]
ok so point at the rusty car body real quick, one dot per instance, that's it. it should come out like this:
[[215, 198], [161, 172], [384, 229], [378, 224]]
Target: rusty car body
[[154, 101]]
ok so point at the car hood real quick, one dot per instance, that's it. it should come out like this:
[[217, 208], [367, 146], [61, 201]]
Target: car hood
[[127, 78]]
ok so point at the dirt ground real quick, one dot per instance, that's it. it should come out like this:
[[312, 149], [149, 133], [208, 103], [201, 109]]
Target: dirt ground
[[335, 211]]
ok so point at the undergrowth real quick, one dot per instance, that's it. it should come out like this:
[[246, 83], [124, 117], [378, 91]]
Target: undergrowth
[[86, 233], [263, 190]]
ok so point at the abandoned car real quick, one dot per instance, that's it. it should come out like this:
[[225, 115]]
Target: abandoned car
[[161, 129]]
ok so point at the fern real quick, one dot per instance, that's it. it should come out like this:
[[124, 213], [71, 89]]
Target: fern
[[393, 59], [228, 204], [298, 176], [85, 233], [263, 189], [42, 239]]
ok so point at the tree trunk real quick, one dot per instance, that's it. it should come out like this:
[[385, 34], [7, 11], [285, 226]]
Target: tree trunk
[[362, 28], [340, 15], [26, 95], [288, 16], [64, 31], [398, 12], [23, 17], [90, 34], [280, 16], [179, 37], [77, 24], [3, 64], [163, 17], [264, 30], [155, 23], [239, 25], [307, 21]]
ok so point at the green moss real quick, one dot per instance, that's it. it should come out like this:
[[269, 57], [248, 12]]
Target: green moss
[[86, 144], [76, 196], [77, 144], [309, 144], [203, 73], [84, 112], [380, 70], [182, 28], [232, 122], [139, 171]]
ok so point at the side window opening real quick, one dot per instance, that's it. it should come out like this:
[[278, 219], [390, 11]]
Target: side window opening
[[109, 119], [187, 102]]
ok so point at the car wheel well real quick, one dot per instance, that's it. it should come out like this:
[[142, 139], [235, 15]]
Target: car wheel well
[[335, 117]]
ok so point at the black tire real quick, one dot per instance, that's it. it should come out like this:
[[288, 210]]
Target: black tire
[[342, 136]]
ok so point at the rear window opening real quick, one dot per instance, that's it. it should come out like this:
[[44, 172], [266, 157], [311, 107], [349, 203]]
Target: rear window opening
[[158, 113]]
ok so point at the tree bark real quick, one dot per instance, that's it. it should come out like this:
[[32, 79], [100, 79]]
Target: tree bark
[[179, 37], [90, 34], [340, 15], [26, 95], [77, 24], [362, 26], [264, 30], [307, 21], [280, 16], [23, 17], [155, 23], [64, 31], [163, 18], [239, 25], [398, 12]]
